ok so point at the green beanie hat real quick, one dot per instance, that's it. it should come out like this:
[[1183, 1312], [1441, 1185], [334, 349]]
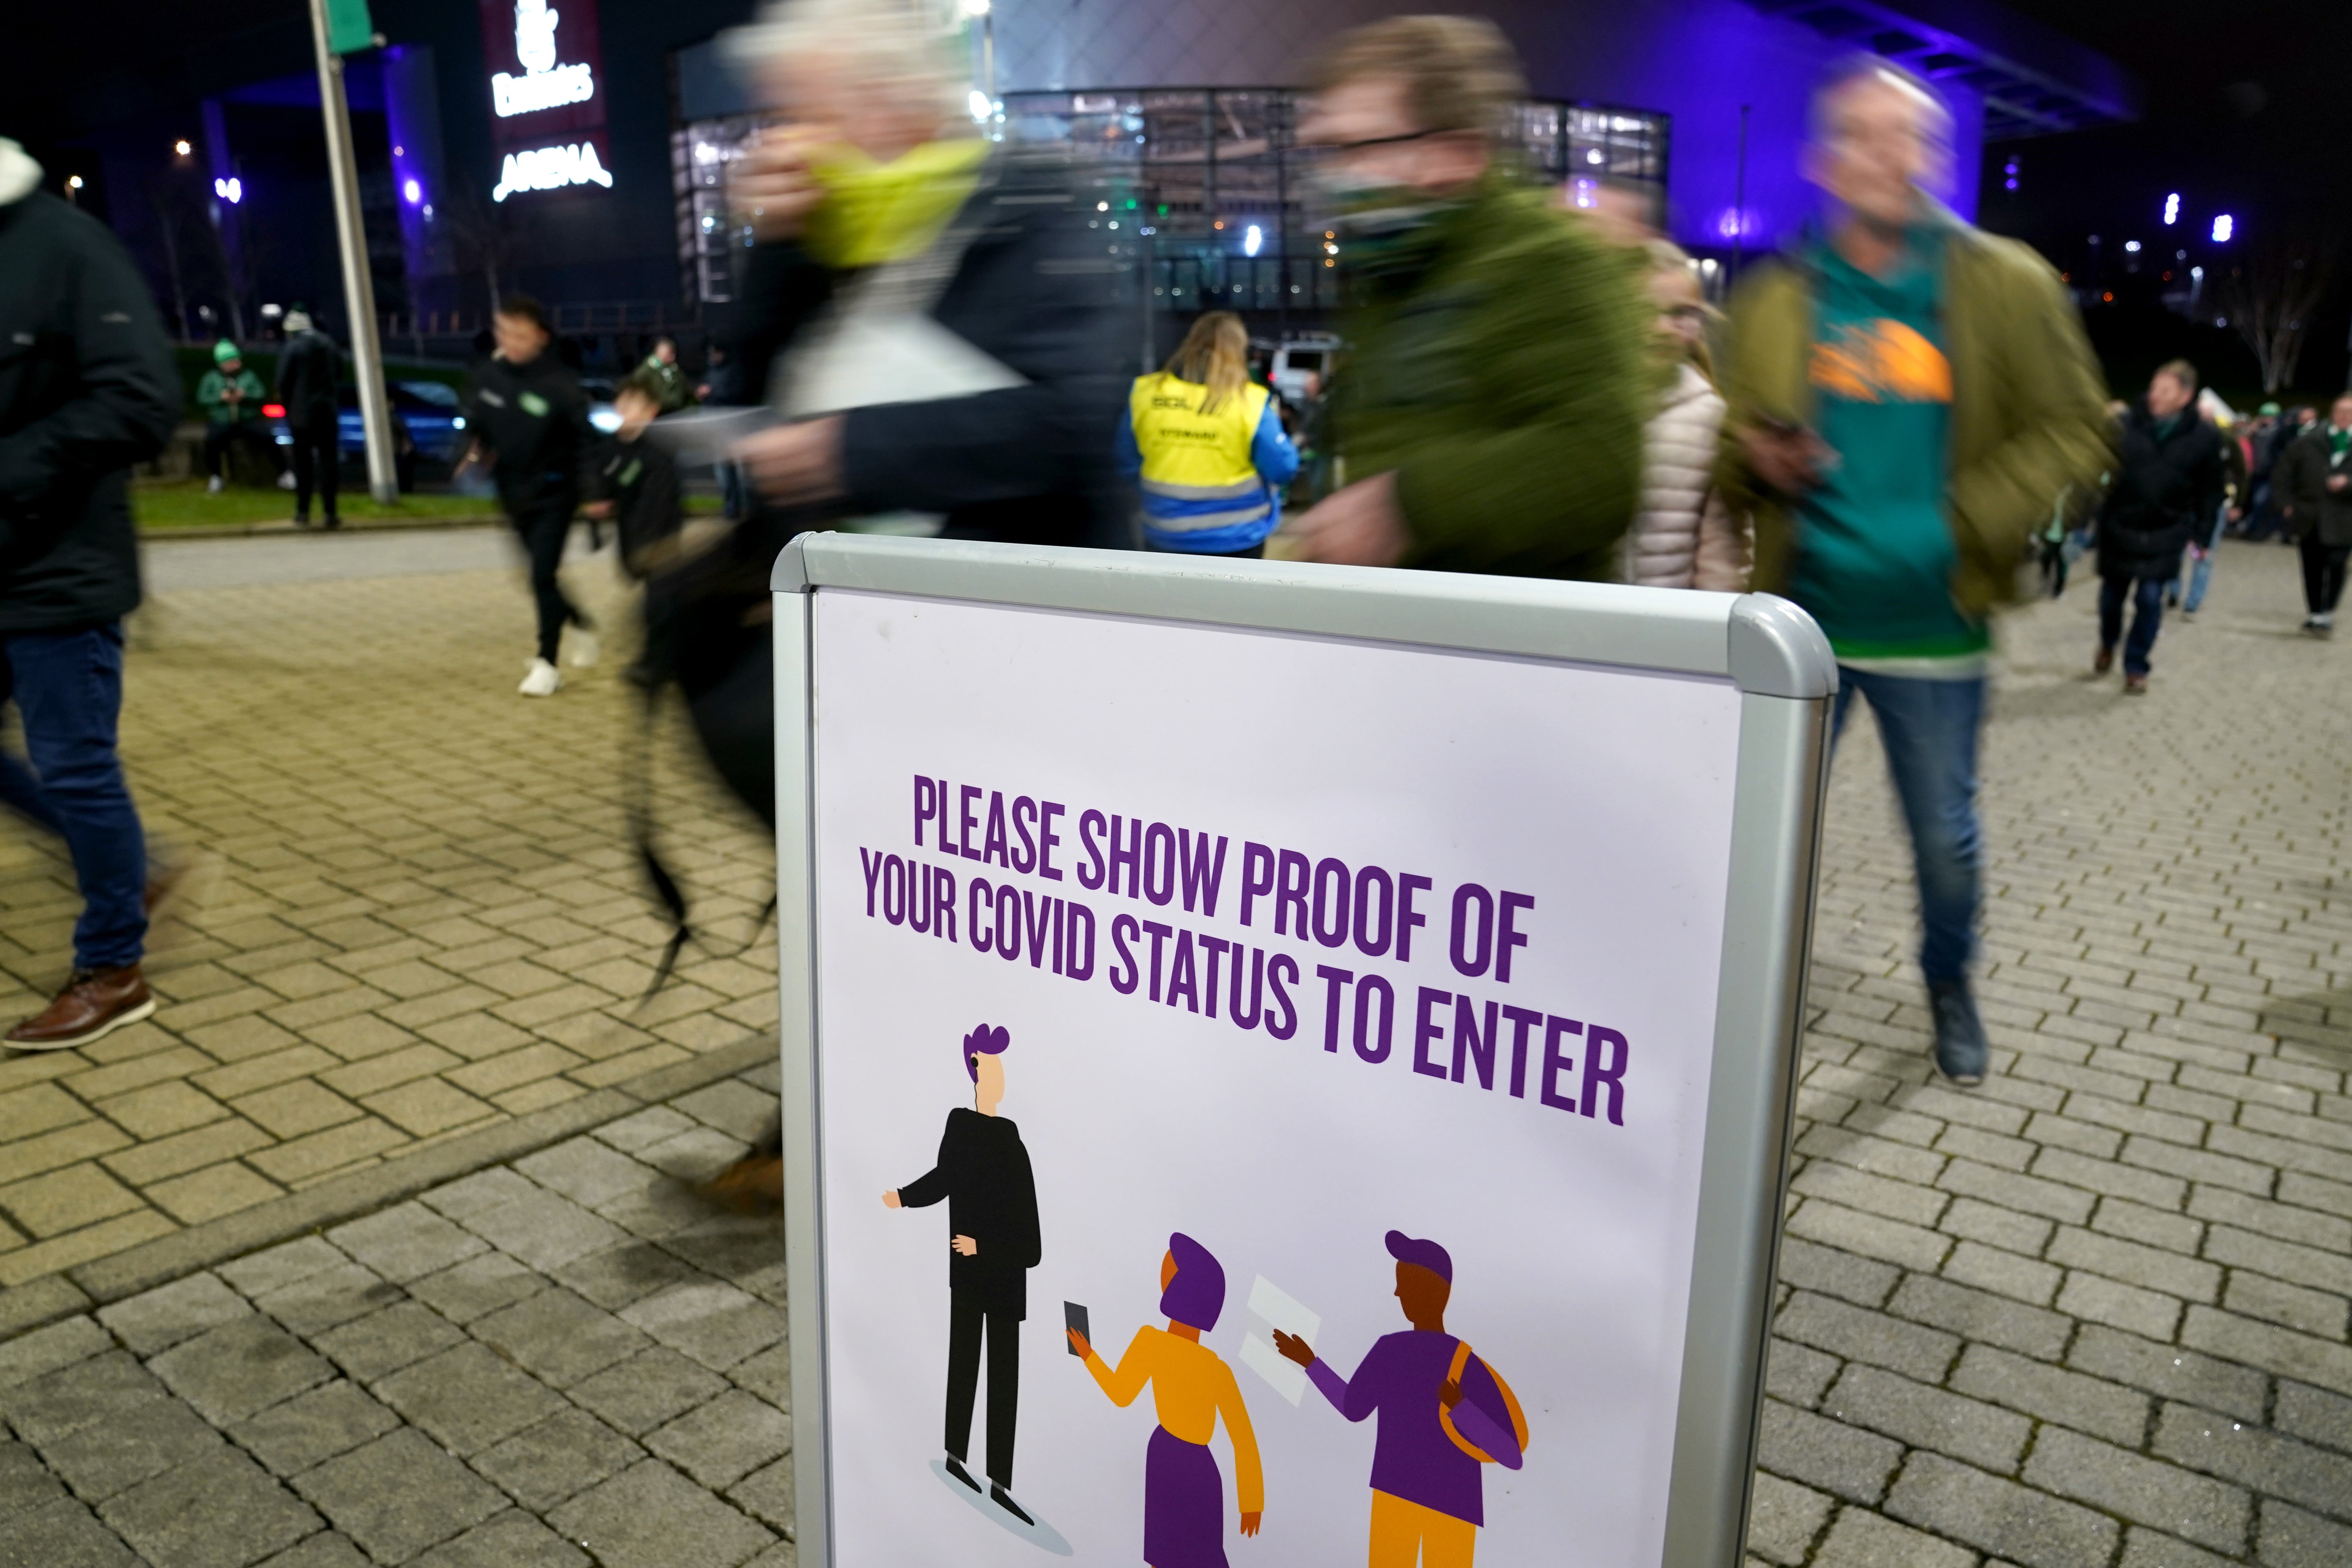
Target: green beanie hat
[[223, 352]]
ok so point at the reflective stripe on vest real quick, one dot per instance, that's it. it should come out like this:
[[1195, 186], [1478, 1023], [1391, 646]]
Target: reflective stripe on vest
[[1197, 472]]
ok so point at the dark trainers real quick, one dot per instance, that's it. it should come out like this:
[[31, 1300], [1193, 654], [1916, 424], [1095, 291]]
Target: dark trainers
[[95, 1002], [1961, 1048], [955, 1468], [1003, 1499]]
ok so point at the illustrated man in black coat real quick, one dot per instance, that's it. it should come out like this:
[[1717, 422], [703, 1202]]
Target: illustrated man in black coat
[[983, 1173]]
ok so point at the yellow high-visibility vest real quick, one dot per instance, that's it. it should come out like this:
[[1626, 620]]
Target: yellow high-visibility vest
[[1197, 472]]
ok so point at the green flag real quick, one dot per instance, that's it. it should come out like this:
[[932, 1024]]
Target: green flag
[[350, 28]]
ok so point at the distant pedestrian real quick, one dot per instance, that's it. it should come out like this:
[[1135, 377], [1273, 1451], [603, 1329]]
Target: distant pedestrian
[[661, 372], [635, 483], [2313, 484], [722, 387], [1908, 398], [2237, 487], [310, 369], [529, 419], [90, 391], [2168, 485], [1686, 536], [1206, 446], [1492, 401], [231, 396]]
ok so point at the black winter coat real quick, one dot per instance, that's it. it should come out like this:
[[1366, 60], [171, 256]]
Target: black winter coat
[[87, 389], [308, 371], [2167, 491], [533, 419], [2299, 488], [1036, 290]]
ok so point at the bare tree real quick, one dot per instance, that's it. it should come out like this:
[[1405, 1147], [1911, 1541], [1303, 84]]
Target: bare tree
[[488, 235], [2272, 294], [162, 200]]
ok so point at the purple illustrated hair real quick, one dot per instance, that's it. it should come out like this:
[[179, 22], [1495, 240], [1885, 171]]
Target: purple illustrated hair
[[1196, 1295], [983, 1041]]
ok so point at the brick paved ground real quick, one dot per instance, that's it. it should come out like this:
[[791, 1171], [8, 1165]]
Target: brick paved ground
[[2092, 1315], [426, 919]]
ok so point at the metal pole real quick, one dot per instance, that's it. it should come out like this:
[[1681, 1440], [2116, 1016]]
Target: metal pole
[[359, 289]]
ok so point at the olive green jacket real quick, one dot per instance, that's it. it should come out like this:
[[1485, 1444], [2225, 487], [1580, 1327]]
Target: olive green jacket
[[1505, 384], [2029, 406]]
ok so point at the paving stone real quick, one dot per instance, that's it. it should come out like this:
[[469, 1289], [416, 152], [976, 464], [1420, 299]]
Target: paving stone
[[717, 1324], [476, 1286], [558, 1337], [259, 1273], [109, 1389], [2294, 1539], [219, 1511], [313, 1428], [2315, 1414], [767, 1495], [399, 1494], [2143, 1490], [2170, 1371], [2027, 1527], [649, 1516], [25, 1481], [2144, 1548], [2103, 1300], [406, 1241], [654, 1124], [724, 1440], [332, 1296], [2253, 1457], [694, 1155], [1832, 1456], [45, 1350], [589, 1173], [478, 1194], [1863, 1539], [509, 1540], [648, 1390], [1784, 1517], [328, 1549], [769, 1374], [467, 1397], [383, 1342], [2085, 1403], [159, 1319], [620, 1274], [542, 1229], [108, 1457], [231, 1371], [1981, 1315], [1924, 1417], [2282, 1351], [559, 1457], [1850, 1331], [662, 1210], [63, 1534]]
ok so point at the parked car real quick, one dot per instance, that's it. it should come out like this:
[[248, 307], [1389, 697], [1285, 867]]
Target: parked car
[[428, 422]]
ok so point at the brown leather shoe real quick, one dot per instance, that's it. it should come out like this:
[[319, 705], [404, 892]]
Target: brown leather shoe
[[753, 1185], [2105, 662], [95, 1003]]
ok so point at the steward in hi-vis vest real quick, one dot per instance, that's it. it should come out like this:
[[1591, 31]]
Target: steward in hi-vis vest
[[1210, 463]]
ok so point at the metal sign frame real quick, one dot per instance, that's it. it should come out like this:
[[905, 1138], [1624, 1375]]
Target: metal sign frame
[[1787, 678]]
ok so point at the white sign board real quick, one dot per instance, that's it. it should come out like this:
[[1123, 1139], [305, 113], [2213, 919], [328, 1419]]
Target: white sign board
[[1375, 989]]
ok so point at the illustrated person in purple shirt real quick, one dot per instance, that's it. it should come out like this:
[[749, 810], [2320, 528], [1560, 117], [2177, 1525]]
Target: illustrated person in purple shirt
[[1442, 1413]]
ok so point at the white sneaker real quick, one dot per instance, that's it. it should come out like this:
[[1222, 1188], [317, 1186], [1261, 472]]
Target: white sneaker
[[285, 481], [583, 649], [542, 681], [213, 486]]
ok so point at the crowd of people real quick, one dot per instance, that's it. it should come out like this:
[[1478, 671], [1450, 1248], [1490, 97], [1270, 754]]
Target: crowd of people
[[1886, 421]]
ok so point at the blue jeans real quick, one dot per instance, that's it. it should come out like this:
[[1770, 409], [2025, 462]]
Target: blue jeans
[[2147, 615], [2201, 576], [68, 687], [1929, 728]]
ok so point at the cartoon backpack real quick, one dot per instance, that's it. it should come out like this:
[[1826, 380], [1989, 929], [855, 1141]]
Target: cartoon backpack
[[1510, 1402]]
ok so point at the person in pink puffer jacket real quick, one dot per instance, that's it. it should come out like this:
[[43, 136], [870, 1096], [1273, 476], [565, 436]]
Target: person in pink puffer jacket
[[1684, 536]]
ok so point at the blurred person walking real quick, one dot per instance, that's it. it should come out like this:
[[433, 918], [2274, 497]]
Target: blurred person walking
[[2168, 485], [1495, 381], [529, 419], [308, 369], [1909, 396], [231, 396], [2314, 489], [1206, 446], [90, 390], [2237, 489], [635, 483], [1686, 536], [661, 372]]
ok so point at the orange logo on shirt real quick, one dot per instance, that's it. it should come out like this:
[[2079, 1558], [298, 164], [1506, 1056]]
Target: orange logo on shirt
[[1882, 361]]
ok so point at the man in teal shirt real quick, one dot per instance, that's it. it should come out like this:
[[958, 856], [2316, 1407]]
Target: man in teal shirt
[[1908, 398]]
